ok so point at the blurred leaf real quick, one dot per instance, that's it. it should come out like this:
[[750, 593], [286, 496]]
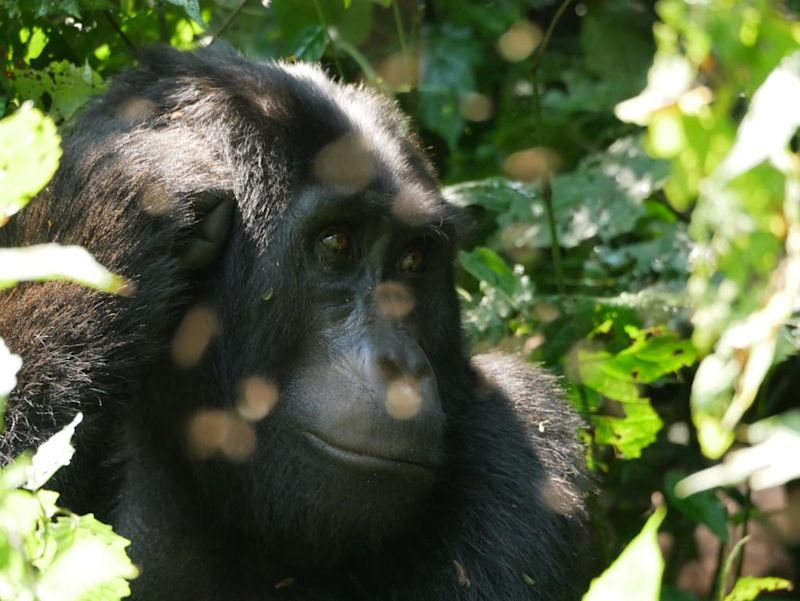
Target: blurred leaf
[[770, 123], [701, 508], [80, 541], [486, 265], [669, 593], [749, 588], [636, 574], [46, 262], [51, 455], [311, 43], [62, 87], [9, 366], [451, 54], [350, 23], [192, 8], [495, 193], [603, 198], [29, 154]]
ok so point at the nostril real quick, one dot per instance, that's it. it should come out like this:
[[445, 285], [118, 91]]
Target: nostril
[[393, 370], [389, 369]]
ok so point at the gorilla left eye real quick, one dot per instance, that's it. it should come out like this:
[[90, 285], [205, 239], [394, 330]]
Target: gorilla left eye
[[337, 244], [413, 260]]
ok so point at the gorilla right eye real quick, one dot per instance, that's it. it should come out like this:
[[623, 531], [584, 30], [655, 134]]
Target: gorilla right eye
[[336, 245]]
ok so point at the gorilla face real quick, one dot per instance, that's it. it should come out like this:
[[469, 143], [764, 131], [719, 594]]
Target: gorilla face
[[359, 400], [358, 330]]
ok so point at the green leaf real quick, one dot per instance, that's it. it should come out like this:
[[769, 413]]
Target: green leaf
[[74, 544], [631, 434], [9, 366], [495, 194], [192, 8], [46, 262], [636, 574], [702, 508], [487, 266], [749, 588], [310, 43], [52, 455], [603, 198], [29, 154], [66, 85], [451, 56]]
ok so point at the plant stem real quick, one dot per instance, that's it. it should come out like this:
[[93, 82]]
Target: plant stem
[[324, 22], [229, 20]]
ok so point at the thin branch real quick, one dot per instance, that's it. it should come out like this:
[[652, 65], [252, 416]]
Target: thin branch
[[324, 22], [110, 17], [537, 59], [234, 13], [547, 189]]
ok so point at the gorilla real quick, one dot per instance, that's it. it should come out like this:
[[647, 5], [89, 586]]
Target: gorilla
[[280, 405]]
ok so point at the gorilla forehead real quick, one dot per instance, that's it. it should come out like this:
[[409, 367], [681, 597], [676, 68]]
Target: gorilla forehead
[[276, 128]]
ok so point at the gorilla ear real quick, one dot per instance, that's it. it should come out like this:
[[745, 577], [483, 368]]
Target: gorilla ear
[[205, 239]]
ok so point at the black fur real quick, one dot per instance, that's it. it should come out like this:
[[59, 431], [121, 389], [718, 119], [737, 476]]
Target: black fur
[[504, 519]]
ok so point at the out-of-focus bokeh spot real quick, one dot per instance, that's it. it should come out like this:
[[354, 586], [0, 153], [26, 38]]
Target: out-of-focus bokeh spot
[[257, 398], [461, 575], [519, 42], [155, 199], [533, 342], [216, 432], [412, 207], [394, 300], [284, 583], [135, 110], [193, 336], [530, 164], [399, 72], [546, 312], [403, 398], [515, 241], [345, 164], [475, 107], [553, 495]]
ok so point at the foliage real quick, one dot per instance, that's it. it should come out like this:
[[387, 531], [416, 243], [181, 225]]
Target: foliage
[[47, 553], [617, 256], [643, 558]]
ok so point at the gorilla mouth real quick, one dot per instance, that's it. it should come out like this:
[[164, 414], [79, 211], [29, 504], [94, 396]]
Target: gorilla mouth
[[363, 459]]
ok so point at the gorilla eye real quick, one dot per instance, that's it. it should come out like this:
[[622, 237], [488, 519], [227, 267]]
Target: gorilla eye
[[336, 243], [413, 260]]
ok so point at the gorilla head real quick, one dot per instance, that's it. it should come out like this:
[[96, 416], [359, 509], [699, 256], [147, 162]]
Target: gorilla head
[[288, 385]]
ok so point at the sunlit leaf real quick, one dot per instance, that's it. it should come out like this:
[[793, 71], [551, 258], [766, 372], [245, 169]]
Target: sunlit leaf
[[52, 455], [77, 542], [29, 154], [749, 588], [636, 574], [62, 87], [46, 262], [9, 366]]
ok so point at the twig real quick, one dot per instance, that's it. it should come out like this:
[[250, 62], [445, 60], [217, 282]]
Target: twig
[[324, 22], [234, 13], [547, 189], [115, 26], [537, 59]]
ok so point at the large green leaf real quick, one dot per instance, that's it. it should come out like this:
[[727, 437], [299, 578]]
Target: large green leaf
[[29, 154], [636, 574]]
